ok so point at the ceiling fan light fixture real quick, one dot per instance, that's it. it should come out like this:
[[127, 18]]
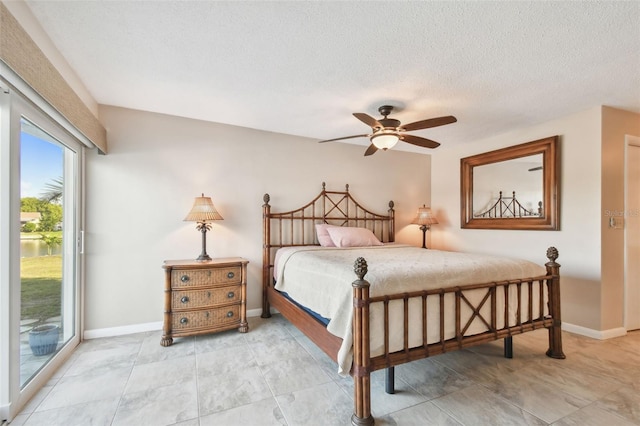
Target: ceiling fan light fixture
[[386, 132], [384, 139]]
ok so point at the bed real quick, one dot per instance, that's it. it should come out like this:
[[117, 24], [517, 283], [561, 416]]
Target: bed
[[383, 313]]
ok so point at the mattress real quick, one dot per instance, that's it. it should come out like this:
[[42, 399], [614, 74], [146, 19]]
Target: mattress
[[320, 278]]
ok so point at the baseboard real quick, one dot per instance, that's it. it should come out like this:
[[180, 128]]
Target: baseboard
[[120, 331], [155, 326], [140, 328], [4, 414], [595, 334], [254, 312]]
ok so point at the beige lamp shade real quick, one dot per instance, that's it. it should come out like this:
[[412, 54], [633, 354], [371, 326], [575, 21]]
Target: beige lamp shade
[[424, 217], [203, 210]]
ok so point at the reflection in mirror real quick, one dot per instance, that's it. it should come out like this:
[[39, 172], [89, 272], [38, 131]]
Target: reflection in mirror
[[511, 188]]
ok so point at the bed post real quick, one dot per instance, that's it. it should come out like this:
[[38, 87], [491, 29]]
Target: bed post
[[392, 223], [266, 255], [553, 285], [361, 359]]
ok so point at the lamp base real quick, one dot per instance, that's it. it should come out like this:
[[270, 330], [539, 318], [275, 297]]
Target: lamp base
[[203, 228], [424, 228]]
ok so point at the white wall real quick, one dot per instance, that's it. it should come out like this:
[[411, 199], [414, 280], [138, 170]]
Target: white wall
[[578, 240], [138, 195]]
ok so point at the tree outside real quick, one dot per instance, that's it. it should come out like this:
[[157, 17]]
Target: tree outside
[[29, 227], [30, 204], [53, 191], [51, 241], [50, 217], [48, 205]]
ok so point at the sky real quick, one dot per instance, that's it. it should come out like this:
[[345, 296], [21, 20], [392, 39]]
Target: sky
[[41, 162]]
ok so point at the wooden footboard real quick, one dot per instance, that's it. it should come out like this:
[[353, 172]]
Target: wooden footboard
[[364, 364]]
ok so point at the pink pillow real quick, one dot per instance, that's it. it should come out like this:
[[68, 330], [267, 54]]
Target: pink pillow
[[323, 235], [352, 237]]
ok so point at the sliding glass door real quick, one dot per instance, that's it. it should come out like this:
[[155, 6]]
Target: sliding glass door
[[40, 226], [47, 247]]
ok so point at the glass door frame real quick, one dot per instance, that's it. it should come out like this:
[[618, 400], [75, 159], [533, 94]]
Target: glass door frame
[[13, 108]]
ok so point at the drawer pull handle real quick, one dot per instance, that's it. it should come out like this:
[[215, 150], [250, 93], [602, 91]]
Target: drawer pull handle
[[185, 299], [184, 320], [184, 278], [230, 275], [229, 314], [231, 294]]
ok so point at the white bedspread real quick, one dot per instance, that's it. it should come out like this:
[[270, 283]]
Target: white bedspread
[[320, 278]]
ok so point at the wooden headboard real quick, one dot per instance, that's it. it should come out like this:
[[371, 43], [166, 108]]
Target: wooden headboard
[[297, 227]]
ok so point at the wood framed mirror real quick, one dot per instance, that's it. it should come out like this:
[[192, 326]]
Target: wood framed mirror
[[512, 188]]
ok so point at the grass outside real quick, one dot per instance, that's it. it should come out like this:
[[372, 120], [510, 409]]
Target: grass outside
[[36, 235], [41, 282]]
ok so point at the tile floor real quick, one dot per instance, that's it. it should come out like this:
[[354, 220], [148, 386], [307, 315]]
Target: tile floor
[[274, 375]]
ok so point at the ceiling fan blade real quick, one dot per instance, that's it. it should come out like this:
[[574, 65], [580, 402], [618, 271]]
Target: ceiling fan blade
[[371, 150], [417, 140], [367, 119], [346, 137], [431, 122]]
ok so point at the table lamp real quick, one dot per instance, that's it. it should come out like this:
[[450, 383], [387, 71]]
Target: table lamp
[[203, 212], [425, 219]]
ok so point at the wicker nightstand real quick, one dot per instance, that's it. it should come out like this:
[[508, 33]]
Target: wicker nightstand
[[204, 297]]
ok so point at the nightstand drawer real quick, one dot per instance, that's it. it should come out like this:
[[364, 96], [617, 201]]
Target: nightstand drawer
[[205, 277], [206, 318], [189, 299]]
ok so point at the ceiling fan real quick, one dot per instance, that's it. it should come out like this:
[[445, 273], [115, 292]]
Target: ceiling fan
[[386, 132]]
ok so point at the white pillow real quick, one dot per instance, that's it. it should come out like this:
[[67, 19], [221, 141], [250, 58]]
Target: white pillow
[[352, 237], [323, 235]]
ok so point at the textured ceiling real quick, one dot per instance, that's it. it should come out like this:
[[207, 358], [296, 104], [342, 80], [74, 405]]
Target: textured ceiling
[[303, 67]]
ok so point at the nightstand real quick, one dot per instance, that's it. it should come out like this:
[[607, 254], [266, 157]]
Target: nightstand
[[204, 297]]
